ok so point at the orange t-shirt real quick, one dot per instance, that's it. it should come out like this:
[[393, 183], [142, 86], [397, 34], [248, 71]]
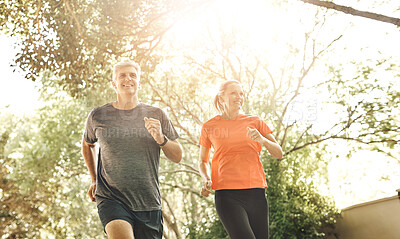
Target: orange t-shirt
[[236, 161]]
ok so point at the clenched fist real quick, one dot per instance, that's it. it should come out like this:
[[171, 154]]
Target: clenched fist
[[154, 128]]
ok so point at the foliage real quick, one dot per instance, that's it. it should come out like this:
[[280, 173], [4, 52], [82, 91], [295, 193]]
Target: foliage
[[297, 210], [78, 40], [44, 191], [370, 101], [18, 216]]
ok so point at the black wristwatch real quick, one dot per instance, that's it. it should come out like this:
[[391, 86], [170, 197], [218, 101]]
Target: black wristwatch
[[165, 141]]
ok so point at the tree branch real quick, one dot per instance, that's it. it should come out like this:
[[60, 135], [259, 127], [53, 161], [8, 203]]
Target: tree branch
[[188, 166], [182, 104], [354, 12], [181, 171], [177, 123], [78, 25], [336, 136], [301, 78], [204, 67], [171, 223], [186, 189]]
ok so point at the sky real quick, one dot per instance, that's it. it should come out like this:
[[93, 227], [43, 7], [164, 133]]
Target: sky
[[370, 175]]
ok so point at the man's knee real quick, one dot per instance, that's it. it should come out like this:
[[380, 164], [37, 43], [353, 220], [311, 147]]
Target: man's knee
[[117, 229]]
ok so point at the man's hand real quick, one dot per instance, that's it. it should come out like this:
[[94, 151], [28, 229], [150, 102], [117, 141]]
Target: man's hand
[[254, 135], [154, 128], [206, 189], [92, 191]]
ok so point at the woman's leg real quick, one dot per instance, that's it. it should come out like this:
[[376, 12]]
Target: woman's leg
[[258, 213], [233, 215]]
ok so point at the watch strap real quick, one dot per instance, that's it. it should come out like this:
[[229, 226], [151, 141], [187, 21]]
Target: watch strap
[[165, 141]]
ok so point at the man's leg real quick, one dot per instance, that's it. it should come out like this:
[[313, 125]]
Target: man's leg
[[148, 224], [116, 219], [119, 229]]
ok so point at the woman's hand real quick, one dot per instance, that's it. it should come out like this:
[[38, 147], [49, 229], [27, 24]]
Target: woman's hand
[[268, 141], [206, 189], [255, 135]]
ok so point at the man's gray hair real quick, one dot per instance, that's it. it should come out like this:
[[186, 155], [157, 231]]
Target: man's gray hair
[[122, 64]]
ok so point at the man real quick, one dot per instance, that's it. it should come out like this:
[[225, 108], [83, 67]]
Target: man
[[130, 135]]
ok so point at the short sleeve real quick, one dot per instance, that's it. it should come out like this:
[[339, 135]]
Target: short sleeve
[[204, 138], [263, 127], [167, 127], [89, 135]]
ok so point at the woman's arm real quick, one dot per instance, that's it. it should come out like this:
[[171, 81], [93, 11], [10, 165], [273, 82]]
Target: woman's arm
[[268, 141], [203, 168], [272, 146]]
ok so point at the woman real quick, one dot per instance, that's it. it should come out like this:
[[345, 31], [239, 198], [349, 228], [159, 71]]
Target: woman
[[237, 175]]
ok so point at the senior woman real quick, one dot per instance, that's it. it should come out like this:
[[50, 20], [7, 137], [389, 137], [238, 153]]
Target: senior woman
[[237, 175]]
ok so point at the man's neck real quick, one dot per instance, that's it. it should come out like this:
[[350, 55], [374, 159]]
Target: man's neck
[[124, 103]]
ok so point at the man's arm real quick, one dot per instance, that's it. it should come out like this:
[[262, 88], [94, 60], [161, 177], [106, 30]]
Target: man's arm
[[89, 154], [173, 150]]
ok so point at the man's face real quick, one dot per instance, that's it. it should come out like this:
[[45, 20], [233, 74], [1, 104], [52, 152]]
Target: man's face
[[127, 81]]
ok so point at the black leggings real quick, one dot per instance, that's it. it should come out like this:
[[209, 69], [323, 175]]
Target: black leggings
[[243, 212]]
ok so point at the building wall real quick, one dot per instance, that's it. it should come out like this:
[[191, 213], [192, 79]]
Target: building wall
[[379, 219]]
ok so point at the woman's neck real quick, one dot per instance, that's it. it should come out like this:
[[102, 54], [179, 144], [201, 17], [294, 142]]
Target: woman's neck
[[230, 115]]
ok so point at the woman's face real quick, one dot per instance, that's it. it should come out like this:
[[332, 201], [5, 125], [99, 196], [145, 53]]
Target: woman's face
[[232, 98]]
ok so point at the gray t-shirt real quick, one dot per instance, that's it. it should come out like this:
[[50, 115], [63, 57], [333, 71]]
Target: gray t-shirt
[[129, 157]]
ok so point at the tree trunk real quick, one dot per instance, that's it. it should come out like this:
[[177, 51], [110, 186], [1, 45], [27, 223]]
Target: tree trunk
[[172, 225]]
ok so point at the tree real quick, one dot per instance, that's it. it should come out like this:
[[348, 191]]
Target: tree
[[17, 215], [43, 179], [79, 40]]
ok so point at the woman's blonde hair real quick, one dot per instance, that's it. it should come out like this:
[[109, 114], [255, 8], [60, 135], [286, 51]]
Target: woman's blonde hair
[[218, 105]]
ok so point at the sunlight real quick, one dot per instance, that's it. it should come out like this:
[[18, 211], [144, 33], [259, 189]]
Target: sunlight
[[369, 175], [229, 21], [17, 95]]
